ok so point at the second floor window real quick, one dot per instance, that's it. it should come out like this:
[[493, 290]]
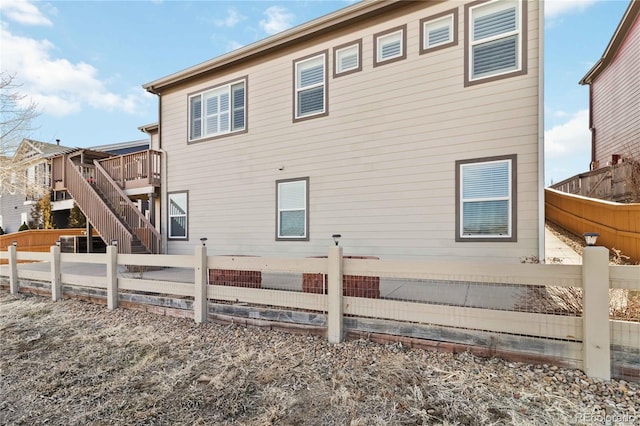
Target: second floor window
[[495, 40], [218, 111], [390, 45], [310, 86]]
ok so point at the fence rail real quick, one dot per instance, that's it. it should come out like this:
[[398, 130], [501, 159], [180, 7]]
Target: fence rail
[[589, 340]]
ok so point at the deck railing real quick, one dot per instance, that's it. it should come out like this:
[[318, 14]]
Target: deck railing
[[141, 166], [126, 210], [78, 182]]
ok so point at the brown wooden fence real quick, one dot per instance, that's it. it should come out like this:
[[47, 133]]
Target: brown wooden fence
[[617, 224], [36, 240]]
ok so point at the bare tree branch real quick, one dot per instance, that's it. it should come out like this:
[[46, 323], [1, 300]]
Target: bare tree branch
[[17, 115]]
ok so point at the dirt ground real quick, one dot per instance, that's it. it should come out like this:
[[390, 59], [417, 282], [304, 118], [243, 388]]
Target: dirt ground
[[72, 362]]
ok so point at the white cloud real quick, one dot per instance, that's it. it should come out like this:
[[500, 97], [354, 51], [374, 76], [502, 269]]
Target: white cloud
[[278, 19], [59, 86], [571, 137], [555, 8], [232, 18], [23, 12], [567, 147]]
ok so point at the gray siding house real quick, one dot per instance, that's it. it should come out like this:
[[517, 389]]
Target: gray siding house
[[27, 179], [413, 129]]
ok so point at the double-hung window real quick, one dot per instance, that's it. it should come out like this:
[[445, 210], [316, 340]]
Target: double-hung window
[[495, 40], [486, 199], [390, 46], [178, 207], [292, 199], [218, 111], [439, 31], [310, 86], [347, 58]]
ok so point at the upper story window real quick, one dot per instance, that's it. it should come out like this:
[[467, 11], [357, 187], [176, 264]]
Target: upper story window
[[310, 85], [347, 58], [495, 44], [486, 199], [390, 45], [218, 111], [439, 31], [292, 199]]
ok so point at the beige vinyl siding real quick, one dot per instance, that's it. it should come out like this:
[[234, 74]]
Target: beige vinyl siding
[[381, 165], [616, 102]]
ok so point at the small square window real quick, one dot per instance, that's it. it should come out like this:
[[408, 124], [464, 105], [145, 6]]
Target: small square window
[[439, 31], [347, 58], [390, 46]]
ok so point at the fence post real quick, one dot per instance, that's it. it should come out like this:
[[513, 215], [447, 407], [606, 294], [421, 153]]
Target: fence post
[[595, 312], [334, 294], [112, 277], [56, 281], [13, 269], [200, 295]]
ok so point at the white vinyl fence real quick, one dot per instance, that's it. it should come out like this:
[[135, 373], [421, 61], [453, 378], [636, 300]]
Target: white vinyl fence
[[545, 313]]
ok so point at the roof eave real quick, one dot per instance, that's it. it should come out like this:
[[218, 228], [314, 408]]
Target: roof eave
[[281, 39], [620, 34]]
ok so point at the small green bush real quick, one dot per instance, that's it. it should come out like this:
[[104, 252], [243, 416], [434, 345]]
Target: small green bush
[[23, 227], [1, 231]]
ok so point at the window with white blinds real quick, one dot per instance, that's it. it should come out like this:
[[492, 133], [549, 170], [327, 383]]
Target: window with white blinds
[[310, 86], [292, 215], [495, 45], [486, 197], [177, 215], [437, 32], [218, 111], [390, 45], [346, 58]]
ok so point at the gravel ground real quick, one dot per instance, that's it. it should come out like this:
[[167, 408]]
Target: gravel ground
[[71, 362]]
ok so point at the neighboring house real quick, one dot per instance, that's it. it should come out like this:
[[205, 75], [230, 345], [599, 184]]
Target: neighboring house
[[413, 129], [614, 118], [27, 181], [614, 95]]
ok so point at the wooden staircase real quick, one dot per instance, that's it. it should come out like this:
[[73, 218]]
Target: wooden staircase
[[109, 209]]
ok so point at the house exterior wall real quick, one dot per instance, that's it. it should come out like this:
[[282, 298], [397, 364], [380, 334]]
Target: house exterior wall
[[615, 102], [381, 164], [12, 206]]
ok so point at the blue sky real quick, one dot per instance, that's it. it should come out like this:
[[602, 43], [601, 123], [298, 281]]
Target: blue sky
[[84, 62]]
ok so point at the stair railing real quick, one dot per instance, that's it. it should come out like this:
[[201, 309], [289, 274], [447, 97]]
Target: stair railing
[[79, 181], [127, 211]]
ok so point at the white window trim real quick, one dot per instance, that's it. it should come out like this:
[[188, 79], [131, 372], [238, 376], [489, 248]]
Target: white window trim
[[185, 215], [232, 108], [517, 32], [436, 21], [279, 236], [380, 43], [336, 59], [323, 84], [511, 234]]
